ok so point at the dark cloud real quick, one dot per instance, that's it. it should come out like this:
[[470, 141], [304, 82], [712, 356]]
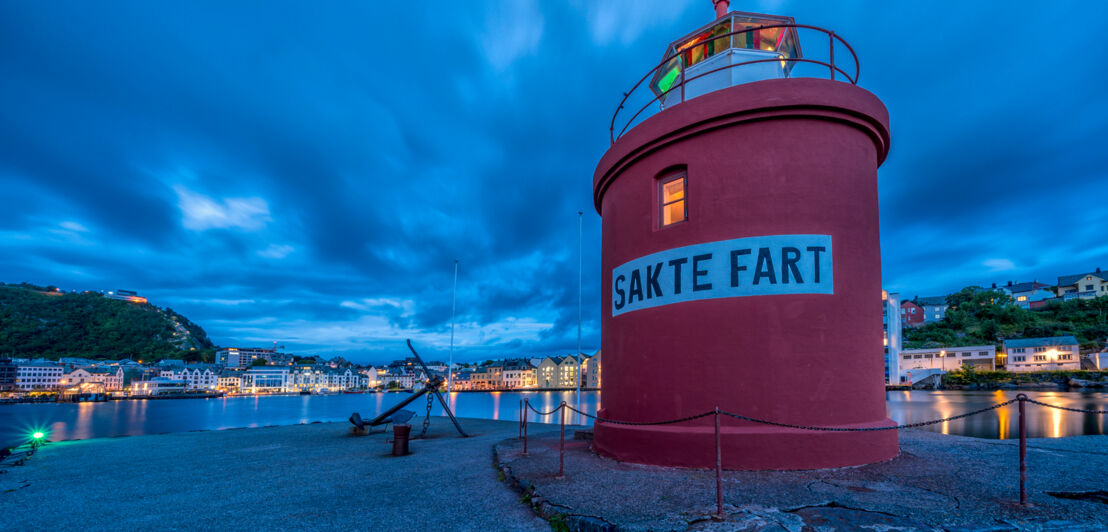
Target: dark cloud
[[280, 172]]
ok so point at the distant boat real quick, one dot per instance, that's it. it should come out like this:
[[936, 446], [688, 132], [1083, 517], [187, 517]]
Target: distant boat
[[305, 392]]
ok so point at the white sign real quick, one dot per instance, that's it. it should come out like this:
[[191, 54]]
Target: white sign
[[754, 266]]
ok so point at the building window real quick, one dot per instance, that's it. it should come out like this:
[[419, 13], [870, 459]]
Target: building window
[[672, 194], [1021, 298]]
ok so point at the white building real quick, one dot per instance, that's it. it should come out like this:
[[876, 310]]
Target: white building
[[890, 320], [944, 359], [110, 377], [38, 376], [934, 308], [518, 374], [592, 372], [196, 377], [557, 372], [1042, 354], [265, 379], [157, 386], [230, 380], [242, 357]]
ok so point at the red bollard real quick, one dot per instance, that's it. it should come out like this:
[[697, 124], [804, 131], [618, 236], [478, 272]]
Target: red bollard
[[1023, 452], [719, 470], [400, 435], [562, 451], [526, 414]]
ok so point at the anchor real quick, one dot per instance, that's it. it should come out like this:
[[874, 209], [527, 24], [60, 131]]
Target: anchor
[[396, 414]]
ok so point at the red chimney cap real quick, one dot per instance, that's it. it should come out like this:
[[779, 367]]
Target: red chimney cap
[[722, 6]]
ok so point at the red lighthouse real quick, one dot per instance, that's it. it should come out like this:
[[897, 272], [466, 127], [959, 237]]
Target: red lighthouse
[[741, 259]]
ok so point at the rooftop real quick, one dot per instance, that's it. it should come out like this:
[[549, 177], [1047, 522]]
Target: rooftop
[[1041, 342]]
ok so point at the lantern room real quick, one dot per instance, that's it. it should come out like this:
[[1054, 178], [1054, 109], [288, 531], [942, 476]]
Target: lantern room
[[708, 59]]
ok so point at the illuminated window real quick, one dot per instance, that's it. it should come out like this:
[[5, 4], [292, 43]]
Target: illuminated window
[[672, 194]]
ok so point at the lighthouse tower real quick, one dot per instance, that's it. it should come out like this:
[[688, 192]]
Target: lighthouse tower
[[741, 255]]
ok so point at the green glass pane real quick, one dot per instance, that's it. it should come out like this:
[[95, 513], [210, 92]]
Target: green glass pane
[[669, 79]]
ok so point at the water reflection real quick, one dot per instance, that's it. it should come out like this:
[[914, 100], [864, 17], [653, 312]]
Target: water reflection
[[68, 421], [1002, 423]]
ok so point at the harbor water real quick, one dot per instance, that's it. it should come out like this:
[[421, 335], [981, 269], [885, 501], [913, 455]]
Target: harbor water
[[73, 421]]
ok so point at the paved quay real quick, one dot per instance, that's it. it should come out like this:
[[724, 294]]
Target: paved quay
[[937, 482], [301, 477]]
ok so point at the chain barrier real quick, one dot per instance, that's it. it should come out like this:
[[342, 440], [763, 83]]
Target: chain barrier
[[1081, 410], [1021, 399], [811, 427]]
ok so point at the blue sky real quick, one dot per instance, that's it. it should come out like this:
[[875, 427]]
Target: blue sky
[[307, 174]]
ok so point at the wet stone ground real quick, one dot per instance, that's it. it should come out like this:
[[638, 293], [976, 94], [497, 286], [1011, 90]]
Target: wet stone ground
[[937, 482]]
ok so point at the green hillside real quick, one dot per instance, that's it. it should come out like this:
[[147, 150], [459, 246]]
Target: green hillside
[[979, 317], [40, 322]]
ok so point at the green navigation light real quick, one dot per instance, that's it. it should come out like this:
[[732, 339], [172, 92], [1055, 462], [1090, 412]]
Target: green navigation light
[[668, 80], [38, 435]]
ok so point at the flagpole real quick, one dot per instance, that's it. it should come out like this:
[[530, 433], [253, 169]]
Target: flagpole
[[453, 309], [579, 282]]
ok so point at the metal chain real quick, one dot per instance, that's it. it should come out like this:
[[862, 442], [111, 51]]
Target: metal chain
[[427, 416], [668, 422], [869, 429], [1067, 408], [810, 427]]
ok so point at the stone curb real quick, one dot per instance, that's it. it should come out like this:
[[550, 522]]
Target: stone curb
[[546, 509]]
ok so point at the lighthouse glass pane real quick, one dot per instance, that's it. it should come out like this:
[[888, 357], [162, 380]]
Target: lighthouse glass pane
[[702, 46]]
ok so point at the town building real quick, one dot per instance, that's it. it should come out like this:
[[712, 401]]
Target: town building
[[557, 372], [38, 376], [242, 357], [111, 377], [74, 378], [518, 374], [890, 320], [934, 308], [1083, 285], [8, 373], [265, 379], [1027, 295], [911, 314], [592, 372], [1042, 354], [230, 380], [922, 362], [157, 386], [197, 376]]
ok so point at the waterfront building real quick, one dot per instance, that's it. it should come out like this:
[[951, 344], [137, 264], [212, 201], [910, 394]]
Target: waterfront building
[[370, 374], [230, 380], [157, 386], [489, 377], [592, 372], [265, 379], [462, 380], [518, 374], [199, 376], [934, 308], [38, 376], [890, 320], [557, 372], [110, 377], [74, 378], [1099, 360], [403, 378], [1042, 354], [8, 372], [915, 364]]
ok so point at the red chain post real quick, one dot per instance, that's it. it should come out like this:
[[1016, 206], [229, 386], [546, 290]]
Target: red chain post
[[1023, 451], [526, 414], [562, 451], [520, 419], [719, 470], [831, 35]]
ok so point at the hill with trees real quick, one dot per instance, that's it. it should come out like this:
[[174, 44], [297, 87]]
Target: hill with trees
[[979, 316], [42, 322]]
